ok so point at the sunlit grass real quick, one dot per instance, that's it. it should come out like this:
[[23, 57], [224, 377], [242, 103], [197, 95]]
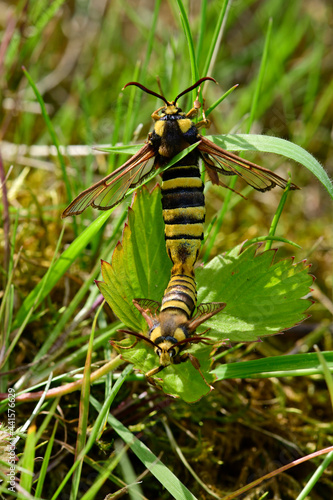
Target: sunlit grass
[[79, 59]]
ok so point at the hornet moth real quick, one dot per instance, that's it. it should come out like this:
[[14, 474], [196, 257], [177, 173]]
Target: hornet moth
[[173, 132]]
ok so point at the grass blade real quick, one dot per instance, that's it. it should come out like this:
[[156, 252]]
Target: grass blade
[[45, 463], [278, 366], [277, 216], [270, 238], [269, 144], [216, 40], [53, 275], [314, 479], [260, 76], [157, 468], [189, 39], [103, 410], [51, 132], [28, 461], [84, 410], [202, 30], [327, 373]]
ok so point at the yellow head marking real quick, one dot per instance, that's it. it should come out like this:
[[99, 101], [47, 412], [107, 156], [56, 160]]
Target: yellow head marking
[[159, 127], [184, 124]]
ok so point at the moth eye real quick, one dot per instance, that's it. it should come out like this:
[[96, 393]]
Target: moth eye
[[172, 353], [158, 352]]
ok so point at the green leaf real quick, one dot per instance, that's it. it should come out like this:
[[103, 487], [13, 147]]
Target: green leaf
[[268, 144], [140, 266], [263, 297]]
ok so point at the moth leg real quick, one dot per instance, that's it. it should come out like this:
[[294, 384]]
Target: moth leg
[[202, 123], [196, 106], [153, 382], [196, 365], [155, 116], [205, 123], [193, 112], [131, 346], [151, 373], [154, 371]]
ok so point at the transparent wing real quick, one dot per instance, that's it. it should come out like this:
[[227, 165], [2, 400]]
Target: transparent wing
[[204, 312], [109, 191], [223, 162], [209, 308], [149, 310], [149, 306]]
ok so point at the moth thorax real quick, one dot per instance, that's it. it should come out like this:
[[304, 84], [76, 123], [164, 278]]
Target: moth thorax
[[167, 333], [172, 321]]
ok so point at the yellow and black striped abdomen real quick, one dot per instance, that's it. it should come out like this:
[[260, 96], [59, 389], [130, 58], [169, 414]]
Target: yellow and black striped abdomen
[[183, 206], [181, 294]]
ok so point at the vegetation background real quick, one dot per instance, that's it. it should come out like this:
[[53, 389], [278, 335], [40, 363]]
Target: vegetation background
[[80, 54]]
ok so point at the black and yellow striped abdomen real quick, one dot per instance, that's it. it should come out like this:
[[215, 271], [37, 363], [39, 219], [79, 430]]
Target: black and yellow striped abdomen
[[183, 206], [181, 294]]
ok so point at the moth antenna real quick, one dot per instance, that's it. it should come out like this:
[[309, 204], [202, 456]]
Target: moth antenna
[[194, 340], [138, 336], [136, 84], [194, 86]]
